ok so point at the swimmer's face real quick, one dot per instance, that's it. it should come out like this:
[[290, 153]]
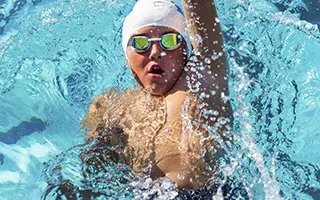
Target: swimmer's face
[[157, 69]]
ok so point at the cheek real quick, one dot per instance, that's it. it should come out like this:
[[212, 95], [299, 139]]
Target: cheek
[[135, 61], [177, 62]]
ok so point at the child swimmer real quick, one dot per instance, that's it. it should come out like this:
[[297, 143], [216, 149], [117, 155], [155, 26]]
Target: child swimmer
[[176, 121]]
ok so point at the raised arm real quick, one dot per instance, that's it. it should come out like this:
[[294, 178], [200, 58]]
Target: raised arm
[[207, 68]]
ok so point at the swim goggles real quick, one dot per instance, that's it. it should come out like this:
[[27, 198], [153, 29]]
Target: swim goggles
[[168, 42]]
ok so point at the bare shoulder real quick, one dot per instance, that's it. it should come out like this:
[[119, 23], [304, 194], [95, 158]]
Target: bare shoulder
[[102, 104]]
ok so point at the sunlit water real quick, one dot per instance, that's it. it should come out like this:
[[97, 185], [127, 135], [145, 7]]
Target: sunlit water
[[55, 56]]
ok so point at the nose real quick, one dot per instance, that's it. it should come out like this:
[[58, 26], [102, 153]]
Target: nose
[[155, 51]]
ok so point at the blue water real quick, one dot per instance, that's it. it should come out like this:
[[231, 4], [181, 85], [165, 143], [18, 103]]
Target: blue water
[[56, 56]]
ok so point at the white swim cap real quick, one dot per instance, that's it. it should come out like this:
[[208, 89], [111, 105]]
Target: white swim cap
[[154, 13]]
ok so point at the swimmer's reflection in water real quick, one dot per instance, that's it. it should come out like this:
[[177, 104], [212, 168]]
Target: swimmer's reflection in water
[[179, 118]]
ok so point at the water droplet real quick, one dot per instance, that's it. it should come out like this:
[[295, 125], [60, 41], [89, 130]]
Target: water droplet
[[215, 113], [179, 176], [162, 54], [207, 60]]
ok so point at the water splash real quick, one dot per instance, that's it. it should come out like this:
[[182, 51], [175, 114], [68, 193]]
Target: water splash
[[270, 184], [51, 70]]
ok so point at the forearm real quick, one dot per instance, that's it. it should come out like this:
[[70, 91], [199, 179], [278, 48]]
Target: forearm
[[203, 25], [206, 38]]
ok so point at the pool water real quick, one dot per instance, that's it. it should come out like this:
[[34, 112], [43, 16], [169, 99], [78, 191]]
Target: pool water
[[56, 56]]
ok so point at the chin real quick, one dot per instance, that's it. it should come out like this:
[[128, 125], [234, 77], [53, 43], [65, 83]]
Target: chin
[[157, 93], [157, 90]]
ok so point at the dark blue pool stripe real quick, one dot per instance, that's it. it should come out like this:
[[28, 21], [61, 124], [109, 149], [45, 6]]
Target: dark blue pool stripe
[[23, 129], [1, 159]]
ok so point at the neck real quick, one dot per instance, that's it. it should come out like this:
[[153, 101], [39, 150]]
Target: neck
[[180, 85]]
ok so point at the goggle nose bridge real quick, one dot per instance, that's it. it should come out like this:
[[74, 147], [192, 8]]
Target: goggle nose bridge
[[154, 39]]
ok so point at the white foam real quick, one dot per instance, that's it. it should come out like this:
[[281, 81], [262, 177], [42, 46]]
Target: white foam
[[9, 177]]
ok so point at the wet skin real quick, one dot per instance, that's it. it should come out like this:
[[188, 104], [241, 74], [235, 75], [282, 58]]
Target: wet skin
[[172, 86]]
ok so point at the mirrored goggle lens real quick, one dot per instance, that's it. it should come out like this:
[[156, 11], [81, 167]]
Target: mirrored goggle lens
[[170, 41], [140, 43]]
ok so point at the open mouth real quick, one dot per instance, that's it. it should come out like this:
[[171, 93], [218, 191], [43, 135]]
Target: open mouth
[[156, 70]]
